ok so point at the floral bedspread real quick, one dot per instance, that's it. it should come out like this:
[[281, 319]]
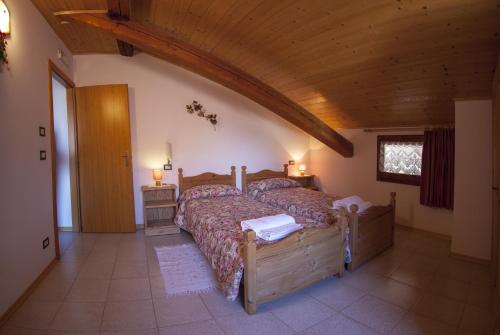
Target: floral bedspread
[[214, 221], [296, 200]]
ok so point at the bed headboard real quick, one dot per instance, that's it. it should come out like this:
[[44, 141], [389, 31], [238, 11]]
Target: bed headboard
[[247, 178], [207, 178]]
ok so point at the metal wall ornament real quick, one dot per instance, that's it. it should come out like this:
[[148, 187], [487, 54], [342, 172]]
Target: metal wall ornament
[[199, 110]]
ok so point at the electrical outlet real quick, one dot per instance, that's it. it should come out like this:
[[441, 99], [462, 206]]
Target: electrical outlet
[[45, 243], [43, 155]]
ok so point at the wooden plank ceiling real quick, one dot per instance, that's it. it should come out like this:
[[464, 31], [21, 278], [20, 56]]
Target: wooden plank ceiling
[[161, 44], [372, 63]]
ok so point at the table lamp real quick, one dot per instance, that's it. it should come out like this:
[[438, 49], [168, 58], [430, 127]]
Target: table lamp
[[157, 176], [302, 169]]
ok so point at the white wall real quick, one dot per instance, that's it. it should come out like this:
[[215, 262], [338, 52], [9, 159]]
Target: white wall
[[25, 192], [247, 134], [63, 184], [473, 179], [357, 175]]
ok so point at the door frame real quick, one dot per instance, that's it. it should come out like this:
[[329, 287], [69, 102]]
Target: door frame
[[54, 69]]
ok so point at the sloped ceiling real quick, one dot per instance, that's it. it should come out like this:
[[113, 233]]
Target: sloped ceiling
[[372, 63]]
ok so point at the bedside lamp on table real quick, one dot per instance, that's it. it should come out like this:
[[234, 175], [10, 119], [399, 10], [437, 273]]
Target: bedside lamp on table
[[157, 176], [302, 169]]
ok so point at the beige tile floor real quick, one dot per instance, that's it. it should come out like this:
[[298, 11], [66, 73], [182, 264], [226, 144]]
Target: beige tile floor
[[111, 284]]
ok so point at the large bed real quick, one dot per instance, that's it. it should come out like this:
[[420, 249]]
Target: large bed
[[369, 234], [211, 209]]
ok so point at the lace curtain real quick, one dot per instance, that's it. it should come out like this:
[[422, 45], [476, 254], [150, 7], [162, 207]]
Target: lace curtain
[[401, 157]]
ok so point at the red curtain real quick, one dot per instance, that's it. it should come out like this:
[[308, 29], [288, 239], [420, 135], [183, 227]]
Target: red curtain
[[438, 168]]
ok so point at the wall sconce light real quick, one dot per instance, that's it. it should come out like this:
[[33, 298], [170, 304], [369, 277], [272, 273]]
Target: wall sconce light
[[302, 169], [291, 162], [157, 176], [168, 166], [4, 18]]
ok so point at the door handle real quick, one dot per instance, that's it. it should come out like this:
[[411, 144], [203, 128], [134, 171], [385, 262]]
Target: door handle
[[125, 157]]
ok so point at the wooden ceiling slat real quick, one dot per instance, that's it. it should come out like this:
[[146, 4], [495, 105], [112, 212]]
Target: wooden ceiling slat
[[371, 32], [193, 59], [377, 51], [333, 57], [266, 17], [227, 28], [393, 91], [394, 85], [212, 19], [195, 18]]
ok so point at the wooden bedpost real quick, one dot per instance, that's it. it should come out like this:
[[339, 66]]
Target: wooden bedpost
[[250, 266], [233, 175], [393, 199], [344, 221], [353, 231], [393, 204], [244, 179], [285, 170], [181, 178]]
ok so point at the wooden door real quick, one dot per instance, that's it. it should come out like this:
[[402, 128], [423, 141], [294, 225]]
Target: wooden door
[[104, 159], [495, 192], [495, 247]]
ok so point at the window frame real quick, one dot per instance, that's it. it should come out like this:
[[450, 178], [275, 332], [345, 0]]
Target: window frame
[[397, 177]]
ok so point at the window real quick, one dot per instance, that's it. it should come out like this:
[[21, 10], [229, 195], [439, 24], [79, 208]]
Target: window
[[399, 158]]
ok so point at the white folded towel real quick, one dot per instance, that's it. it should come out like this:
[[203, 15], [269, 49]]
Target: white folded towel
[[271, 228], [352, 200], [277, 233]]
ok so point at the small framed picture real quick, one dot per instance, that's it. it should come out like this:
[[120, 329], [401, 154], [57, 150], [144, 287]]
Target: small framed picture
[[43, 155], [167, 166], [41, 131]]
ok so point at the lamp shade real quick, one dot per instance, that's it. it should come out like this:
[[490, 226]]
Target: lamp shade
[[4, 18], [302, 169], [157, 176]]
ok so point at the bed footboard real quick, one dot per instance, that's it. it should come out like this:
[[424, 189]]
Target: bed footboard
[[291, 264], [371, 234]]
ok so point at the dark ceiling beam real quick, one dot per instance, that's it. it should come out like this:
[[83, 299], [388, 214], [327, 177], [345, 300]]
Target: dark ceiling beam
[[120, 10], [162, 45], [125, 48]]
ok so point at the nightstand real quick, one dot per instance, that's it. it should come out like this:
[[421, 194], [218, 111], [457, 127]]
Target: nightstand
[[159, 208], [307, 181]]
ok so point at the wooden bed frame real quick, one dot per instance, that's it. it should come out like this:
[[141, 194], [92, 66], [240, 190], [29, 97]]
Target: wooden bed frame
[[295, 262], [370, 233], [247, 178], [207, 178]]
